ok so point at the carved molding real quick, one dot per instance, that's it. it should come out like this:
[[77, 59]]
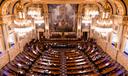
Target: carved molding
[[125, 21], [63, 1]]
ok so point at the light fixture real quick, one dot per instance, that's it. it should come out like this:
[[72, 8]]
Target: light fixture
[[22, 23], [90, 12], [20, 18], [39, 20], [86, 20], [35, 13], [104, 22], [105, 19], [23, 31]]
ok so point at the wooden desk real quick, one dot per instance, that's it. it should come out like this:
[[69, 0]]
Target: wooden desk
[[74, 58], [15, 69], [119, 72], [101, 60], [79, 67], [7, 72], [30, 54], [107, 70], [23, 60], [78, 72], [46, 60], [76, 64], [49, 58], [104, 65], [23, 65], [75, 61], [45, 71], [29, 58], [49, 55], [46, 67], [47, 64]]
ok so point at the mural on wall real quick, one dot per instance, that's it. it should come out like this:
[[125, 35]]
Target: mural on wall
[[62, 17]]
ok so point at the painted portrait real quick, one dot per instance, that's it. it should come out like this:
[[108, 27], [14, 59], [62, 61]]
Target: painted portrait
[[62, 17]]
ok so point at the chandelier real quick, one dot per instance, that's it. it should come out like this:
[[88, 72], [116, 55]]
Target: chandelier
[[20, 18], [39, 20], [91, 10], [86, 19], [105, 19], [22, 23], [35, 12]]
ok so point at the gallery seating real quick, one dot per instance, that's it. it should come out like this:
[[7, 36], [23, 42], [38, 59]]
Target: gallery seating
[[56, 35], [70, 35], [39, 59], [103, 62], [48, 63], [22, 61], [78, 64]]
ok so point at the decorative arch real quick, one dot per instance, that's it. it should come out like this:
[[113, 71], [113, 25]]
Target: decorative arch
[[26, 5], [2, 2], [117, 6], [6, 5], [112, 5], [14, 5], [100, 6], [125, 5]]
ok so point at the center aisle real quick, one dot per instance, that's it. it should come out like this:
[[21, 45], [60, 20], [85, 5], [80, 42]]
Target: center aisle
[[63, 63]]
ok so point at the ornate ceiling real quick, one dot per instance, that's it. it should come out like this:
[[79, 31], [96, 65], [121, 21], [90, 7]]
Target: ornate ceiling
[[118, 7]]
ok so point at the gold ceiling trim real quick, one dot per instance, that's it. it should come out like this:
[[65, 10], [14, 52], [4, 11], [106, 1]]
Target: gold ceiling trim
[[121, 7], [59, 2], [63, 1]]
